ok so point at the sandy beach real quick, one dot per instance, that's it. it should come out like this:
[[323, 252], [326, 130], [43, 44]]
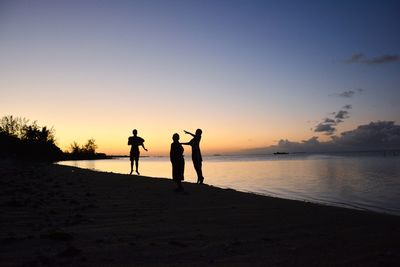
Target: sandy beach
[[55, 215]]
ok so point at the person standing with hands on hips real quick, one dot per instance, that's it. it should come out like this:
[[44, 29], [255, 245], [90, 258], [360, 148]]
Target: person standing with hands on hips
[[196, 153], [135, 141]]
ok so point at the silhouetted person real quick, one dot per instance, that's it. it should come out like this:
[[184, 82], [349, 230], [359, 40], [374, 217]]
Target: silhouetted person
[[196, 154], [135, 141], [178, 162]]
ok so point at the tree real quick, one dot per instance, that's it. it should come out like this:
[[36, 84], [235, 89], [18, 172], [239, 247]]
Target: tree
[[36, 133], [75, 148], [12, 126], [90, 147], [27, 141], [47, 135], [87, 149]]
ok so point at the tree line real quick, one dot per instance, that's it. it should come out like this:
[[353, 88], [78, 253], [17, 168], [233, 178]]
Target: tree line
[[26, 140]]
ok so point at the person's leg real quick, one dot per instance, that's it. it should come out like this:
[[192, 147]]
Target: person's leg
[[131, 166], [137, 165], [197, 167]]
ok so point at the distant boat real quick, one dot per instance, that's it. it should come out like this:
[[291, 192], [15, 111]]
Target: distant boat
[[281, 153]]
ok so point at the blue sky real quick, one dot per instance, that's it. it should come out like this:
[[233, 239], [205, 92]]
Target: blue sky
[[248, 72]]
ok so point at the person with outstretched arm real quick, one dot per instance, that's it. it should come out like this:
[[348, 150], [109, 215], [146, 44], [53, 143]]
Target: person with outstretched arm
[[135, 141], [196, 153]]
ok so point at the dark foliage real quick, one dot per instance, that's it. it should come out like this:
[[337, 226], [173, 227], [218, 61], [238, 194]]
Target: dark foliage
[[22, 140], [87, 151]]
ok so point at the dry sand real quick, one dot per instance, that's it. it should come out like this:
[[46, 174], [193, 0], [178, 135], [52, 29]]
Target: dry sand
[[62, 216]]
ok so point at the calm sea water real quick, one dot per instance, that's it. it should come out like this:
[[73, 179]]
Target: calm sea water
[[368, 181]]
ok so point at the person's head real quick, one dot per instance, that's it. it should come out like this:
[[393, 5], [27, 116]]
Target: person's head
[[134, 132], [199, 132], [175, 137]]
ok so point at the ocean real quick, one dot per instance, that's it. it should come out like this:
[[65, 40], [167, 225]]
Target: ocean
[[366, 181]]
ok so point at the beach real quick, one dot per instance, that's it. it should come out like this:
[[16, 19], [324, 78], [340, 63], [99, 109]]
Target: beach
[[56, 215]]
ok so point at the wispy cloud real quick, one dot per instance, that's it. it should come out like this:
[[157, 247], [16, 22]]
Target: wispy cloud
[[383, 59], [328, 125], [326, 128], [355, 58], [362, 59], [347, 107], [342, 114], [347, 94], [328, 120]]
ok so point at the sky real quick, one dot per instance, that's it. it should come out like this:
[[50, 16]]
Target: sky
[[250, 74]]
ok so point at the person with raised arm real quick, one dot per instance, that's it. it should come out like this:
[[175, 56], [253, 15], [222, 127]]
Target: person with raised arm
[[196, 153], [135, 141]]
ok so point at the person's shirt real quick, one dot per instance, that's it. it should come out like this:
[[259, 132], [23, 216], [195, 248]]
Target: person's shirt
[[195, 144], [135, 142], [176, 152]]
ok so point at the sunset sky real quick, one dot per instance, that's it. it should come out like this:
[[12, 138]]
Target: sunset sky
[[248, 73]]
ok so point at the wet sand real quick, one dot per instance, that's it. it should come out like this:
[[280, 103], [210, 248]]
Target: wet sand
[[55, 215]]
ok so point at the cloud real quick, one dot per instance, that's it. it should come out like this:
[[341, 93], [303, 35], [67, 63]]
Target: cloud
[[347, 94], [328, 125], [342, 114], [326, 128], [379, 135], [286, 145], [347, 107], [362, 59], [357, 57], [328, 120], [383, 59]]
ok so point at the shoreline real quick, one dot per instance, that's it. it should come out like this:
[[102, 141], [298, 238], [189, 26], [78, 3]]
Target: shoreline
[[276, 196], [363, 204], [58, 215]]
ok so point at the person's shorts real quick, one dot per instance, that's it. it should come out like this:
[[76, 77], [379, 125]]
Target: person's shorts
[[134, 155]]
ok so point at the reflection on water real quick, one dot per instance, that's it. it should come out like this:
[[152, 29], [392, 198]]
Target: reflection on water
[[364, 182]]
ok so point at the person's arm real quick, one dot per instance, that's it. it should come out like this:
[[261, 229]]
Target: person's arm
[[188, 143], [186, 132], [141, 142]]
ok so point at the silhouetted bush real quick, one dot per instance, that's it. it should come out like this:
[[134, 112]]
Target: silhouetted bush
[[87, 151], [22, 140]]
